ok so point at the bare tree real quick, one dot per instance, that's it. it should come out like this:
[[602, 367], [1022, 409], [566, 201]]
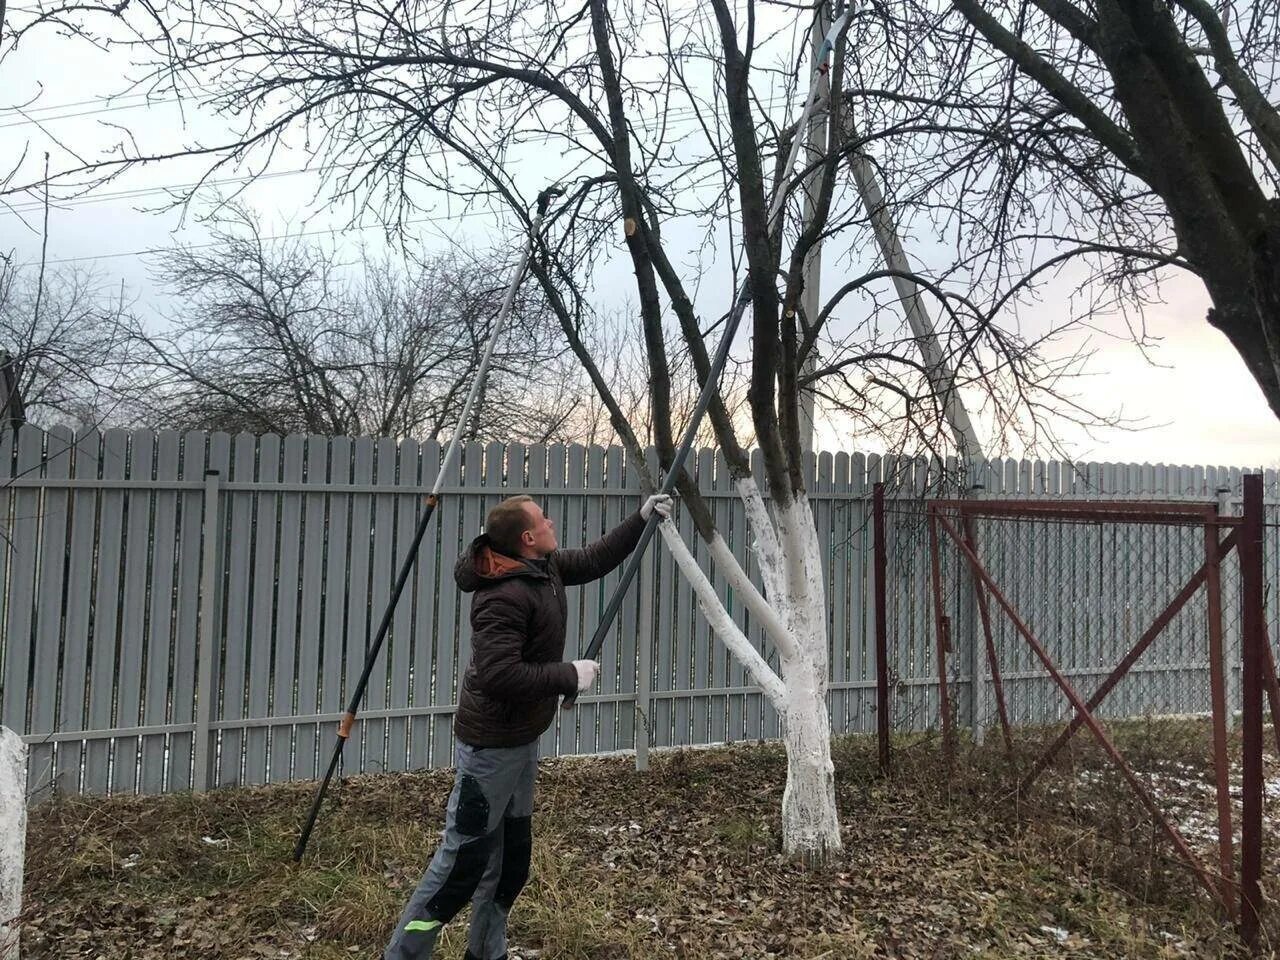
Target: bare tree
[[106, 25], [1114, 141], [661, 120], [101, 23], [1092, 136], [64, 337], [616, 345], [281, 337]]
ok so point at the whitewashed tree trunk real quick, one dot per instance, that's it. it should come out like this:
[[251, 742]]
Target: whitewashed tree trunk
[[13, 834], [810, 824], [794, 617]]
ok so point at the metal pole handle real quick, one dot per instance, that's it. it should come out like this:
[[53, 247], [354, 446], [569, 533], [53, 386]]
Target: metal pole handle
[[410, 560], [713, 375]]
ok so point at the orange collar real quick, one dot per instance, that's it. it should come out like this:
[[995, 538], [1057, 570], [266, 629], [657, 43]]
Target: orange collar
[[490, 563]]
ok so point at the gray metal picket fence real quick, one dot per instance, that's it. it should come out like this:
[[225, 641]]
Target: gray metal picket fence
[[185, 611]]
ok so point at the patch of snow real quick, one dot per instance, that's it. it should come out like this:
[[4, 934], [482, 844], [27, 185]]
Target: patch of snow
[[1187, 796], [649, 918], [632, 828], [1057, 933]]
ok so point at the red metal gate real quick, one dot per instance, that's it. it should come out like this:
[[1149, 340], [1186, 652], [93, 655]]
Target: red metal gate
[[951, 526]]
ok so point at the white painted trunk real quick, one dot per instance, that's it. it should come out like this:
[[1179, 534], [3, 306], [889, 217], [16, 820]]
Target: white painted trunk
[[752, 599], [795, 619], [722, 625], [810, 825], [13, 835], [765, 543], [806, 602]]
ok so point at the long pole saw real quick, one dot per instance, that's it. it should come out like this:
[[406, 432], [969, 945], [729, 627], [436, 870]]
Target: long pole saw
[[717, 362], [349, 718]]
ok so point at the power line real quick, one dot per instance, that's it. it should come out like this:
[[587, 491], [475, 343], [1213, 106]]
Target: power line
[[281, 236], [138, 192], [416, 221], [112, 101], [680, 118], [27, 111], [107, 104], [681, 121], [29, 121]]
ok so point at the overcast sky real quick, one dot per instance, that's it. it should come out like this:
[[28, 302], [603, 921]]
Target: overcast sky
[[1193, 396]]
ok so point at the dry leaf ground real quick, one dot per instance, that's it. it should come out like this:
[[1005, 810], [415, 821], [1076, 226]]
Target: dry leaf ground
[[679, 862]]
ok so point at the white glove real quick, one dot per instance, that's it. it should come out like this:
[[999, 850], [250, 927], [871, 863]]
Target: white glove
[[660, 502], [588, 670]]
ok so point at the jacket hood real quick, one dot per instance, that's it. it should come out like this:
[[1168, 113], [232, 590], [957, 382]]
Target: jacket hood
[[481, 564]]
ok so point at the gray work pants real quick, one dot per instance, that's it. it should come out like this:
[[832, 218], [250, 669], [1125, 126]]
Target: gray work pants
[[484, 856]]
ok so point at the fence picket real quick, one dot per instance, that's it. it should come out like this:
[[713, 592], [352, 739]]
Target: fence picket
[[22, 537], [161, 611], [103, 635], [133, 642], [268, 595], [86, 541], [334, 605], [237, 556], [302, 648], [400, 640], [287, 646], [428, 589]]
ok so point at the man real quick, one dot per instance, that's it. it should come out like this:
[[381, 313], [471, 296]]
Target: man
[[509, 696]]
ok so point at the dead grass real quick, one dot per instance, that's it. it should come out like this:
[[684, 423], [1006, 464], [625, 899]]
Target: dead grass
[[680, 862]]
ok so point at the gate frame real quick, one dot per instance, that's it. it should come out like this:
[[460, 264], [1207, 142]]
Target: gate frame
[[1243, 534]]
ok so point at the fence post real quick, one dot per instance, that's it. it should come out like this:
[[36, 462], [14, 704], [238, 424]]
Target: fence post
[[209, 590], [1253, 636], [644, 631], [1230, 639], [882, 628], [13, 836], [977, 650]]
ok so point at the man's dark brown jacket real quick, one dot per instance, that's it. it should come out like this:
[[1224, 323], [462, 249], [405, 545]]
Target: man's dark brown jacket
[[518, 615]]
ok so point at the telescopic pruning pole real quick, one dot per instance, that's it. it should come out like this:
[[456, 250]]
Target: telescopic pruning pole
[[349, 718], [717, 363]]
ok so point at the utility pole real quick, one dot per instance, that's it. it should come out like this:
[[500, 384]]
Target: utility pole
[[811, 297], [938, 366], [942, 379]]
